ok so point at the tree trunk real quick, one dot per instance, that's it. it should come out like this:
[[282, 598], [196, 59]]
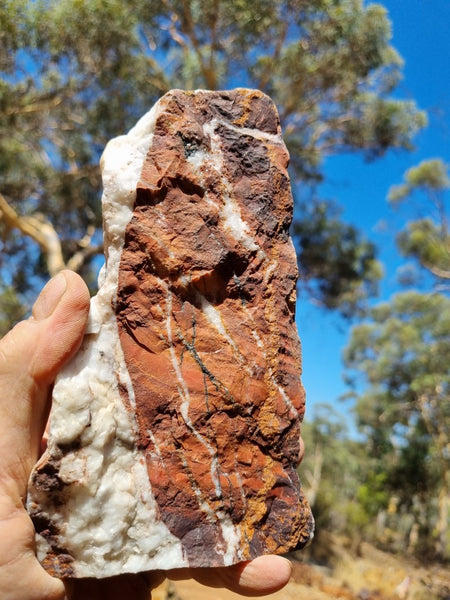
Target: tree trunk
[[442, 520], [314, 477], [39, 229]]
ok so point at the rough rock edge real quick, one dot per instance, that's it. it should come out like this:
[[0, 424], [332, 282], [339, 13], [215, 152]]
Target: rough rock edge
[[113, 432]]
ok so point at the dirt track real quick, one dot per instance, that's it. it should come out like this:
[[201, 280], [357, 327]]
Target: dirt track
[[191, 590], [372, 575]]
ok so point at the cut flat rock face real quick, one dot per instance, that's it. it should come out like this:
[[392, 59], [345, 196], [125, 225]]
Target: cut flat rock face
[[175, 431]]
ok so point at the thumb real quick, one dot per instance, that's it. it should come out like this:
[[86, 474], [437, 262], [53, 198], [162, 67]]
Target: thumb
[[31, 355]]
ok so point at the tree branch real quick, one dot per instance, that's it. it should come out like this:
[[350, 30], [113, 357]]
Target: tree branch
[[214, 44], [267, 73], [208, 73], [38, 106], [86, 251], [79, 258], [40, 230], [442, 273], [314, 477]]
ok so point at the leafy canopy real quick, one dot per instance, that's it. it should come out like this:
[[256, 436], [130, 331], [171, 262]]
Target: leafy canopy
[[74, 73], [427, 237], [399, 358]]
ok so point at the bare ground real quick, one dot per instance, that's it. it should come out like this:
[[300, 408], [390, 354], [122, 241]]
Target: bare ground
[[369, 574]]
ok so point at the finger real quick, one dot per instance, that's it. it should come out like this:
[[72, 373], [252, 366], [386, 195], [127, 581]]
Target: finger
[[133, 586], [30, 356], [63, 305], [264, 575], [21, 576], [261, 576]]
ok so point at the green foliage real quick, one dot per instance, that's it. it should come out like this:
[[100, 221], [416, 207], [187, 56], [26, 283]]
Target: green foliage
[[350, 273], [373, 495], [427, 176], [426, 238], [402, 355], [347, 486], [74, 73], [398, 361], [331, 472], [11, 309]]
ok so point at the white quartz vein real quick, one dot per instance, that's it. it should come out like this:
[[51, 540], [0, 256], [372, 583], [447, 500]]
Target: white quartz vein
[[110, 522]]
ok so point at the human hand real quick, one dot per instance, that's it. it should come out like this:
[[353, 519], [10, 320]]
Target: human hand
[[31, 355], [258, 577]]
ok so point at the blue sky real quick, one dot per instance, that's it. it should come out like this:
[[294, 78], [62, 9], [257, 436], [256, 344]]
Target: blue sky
[[420, 34]]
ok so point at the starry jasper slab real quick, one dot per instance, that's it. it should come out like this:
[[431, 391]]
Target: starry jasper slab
[[175, 431]]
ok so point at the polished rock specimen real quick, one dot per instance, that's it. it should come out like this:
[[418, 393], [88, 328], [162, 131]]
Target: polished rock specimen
[[175, 431]]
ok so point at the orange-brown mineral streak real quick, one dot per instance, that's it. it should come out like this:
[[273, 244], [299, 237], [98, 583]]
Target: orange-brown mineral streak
[[206, 321]]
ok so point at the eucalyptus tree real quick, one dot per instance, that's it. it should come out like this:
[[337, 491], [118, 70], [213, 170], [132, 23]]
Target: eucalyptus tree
[[74, 73], [426, 236], [398, 361]]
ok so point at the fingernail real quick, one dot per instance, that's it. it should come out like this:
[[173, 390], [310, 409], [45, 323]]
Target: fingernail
[[49, 297]]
